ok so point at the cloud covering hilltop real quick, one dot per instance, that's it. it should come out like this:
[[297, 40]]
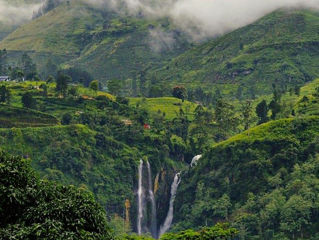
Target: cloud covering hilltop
[[12, 13], [198, 18], [207, 18]]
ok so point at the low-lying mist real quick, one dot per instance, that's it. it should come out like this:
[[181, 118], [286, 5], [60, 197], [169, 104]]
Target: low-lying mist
[[208, 18], [12, 13]]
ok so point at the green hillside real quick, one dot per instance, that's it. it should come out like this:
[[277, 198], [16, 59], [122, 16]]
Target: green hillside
[[281, 48], [265, 181], [80, 156], [18, 117], [76, 34], [258, 177], [168, 106], [93, 140]]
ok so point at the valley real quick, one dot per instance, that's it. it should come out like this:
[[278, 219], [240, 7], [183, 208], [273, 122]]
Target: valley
[[119, 125]]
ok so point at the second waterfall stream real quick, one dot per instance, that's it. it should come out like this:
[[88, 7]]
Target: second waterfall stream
[[169, 218]]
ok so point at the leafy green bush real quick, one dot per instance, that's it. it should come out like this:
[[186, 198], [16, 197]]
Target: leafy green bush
[[35, 209], [217, 232]]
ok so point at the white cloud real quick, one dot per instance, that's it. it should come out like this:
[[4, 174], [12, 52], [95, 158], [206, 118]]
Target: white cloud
[[207, 18], [11, 14]]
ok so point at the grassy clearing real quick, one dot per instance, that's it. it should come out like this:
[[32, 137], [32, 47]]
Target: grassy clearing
[[168, 105]]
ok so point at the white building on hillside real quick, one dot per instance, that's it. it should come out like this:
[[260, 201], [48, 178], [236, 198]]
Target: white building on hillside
[[4, 78]]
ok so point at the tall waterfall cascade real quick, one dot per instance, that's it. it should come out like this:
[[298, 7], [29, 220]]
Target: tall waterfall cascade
[[153, 202], [144, 196], [169, 218], [140, 198]]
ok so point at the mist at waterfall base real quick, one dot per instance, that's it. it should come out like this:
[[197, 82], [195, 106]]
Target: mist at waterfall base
[[144, 196]]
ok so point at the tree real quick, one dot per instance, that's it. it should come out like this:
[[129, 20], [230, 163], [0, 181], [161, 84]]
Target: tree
[[295, 215], [50, 79], [142, 82], [275, 108], [28, 67], [62, 83], [16, 74], [222, 206], [73, 91], [225, 118], [180, 92], [66, 119], [297, 90], [5, 95], [94, 85], [275, 105], [155, 91], [217, 232], [122, 100], [3, 60], [28, 101], [262, 112], [239, 93], [114, 86], [247, 114], [79, 76], [50, 69], [31, 208], [44, 87]]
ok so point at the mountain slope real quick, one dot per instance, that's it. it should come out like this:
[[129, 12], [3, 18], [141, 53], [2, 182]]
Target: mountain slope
[[254, 179], [77, 34], [280, 48]]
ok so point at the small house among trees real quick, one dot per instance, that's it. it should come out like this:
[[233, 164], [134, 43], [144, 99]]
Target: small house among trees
[[4, 79]]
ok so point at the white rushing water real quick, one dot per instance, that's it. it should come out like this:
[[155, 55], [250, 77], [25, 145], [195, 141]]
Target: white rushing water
[[195, 160], [169, 218], [153, 203], [140, 198]]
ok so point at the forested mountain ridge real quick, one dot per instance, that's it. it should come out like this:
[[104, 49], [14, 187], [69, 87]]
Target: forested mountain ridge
[[77, 34], [265, 181], [159, 135], [281, 48], [93, 140]]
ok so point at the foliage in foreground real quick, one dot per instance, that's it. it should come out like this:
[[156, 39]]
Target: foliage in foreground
[[34, 209], [221, 231]]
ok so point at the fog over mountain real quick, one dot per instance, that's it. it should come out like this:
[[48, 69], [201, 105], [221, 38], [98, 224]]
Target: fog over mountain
[[198, 18], [12, 13], [207, 18]]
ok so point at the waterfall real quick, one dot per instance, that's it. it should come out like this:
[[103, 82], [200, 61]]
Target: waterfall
[[140, 198], [141, 207], [153, 203], [195, 160], [170, 214]]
